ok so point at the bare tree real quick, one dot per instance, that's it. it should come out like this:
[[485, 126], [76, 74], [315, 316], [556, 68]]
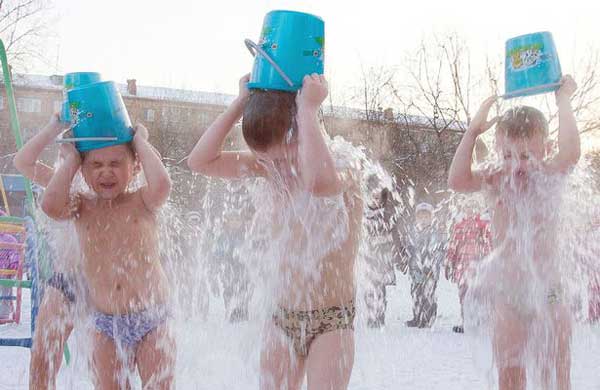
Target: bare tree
[[25, 30], [586, 101], [373, 94]]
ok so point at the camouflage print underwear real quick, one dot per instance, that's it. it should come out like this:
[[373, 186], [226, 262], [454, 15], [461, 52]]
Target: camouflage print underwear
[[302, 327]]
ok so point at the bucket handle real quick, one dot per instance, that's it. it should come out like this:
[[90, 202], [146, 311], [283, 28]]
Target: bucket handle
[[528, 90], [253, 48], [62, 139]]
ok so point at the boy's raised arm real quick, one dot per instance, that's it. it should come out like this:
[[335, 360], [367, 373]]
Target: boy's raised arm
[[568, 135], [26, 159], [461, 177], [317, 167], [56, 202], [208, 156], [158, 183]]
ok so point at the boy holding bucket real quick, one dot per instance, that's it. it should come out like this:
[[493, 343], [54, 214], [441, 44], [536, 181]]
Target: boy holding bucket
[[311, 330], [311, 209], [118, 234], [519, 285]]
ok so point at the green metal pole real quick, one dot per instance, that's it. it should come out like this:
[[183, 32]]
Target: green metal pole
[[14, 119]]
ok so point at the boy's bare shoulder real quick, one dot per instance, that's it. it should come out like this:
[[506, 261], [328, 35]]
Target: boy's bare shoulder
[[135, 199]]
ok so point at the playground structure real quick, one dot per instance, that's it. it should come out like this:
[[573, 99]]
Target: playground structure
[[13, 238], [17, 225]]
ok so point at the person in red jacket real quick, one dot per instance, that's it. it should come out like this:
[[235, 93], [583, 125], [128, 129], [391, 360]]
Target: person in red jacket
[[470, 241]]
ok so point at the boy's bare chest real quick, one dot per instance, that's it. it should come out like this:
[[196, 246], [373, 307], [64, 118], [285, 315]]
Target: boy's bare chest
[[117, 229]]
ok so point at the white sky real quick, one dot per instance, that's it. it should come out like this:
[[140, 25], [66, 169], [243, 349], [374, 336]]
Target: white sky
[[199, 44]]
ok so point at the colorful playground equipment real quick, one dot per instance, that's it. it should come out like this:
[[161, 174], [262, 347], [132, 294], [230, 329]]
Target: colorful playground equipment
[[19, 225], [9, 220], [12, 259]]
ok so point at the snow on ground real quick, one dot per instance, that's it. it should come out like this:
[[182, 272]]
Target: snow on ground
[[216, 355]]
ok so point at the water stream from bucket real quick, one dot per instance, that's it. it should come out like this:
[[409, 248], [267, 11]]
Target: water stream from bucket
[[224, 264]]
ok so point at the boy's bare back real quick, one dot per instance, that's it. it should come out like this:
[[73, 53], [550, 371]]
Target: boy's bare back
[[333, 283]]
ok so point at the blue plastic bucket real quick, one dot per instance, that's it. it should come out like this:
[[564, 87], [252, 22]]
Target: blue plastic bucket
[[291, 46], [531, 65], [99, 116], [75, 80]]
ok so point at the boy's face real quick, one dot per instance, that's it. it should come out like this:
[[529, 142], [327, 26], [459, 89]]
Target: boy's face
[[424, 218], [109, 170], [520, 156]]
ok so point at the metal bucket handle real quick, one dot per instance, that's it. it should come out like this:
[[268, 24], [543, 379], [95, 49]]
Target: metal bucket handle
[[253, 48], [62, 139]]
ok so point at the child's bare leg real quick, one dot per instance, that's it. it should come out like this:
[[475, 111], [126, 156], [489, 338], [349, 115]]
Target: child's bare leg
[[108, 366], [510, 340], [563, 358], [155, 357], [52, 331], [512, 378], [330, 361], [280, 369]]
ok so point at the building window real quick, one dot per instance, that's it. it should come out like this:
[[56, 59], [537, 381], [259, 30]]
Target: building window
[[150, 115], [57, 106], [204, 118], [29, 105]]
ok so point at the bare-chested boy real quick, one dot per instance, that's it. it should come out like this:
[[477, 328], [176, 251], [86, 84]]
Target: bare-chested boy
[[118, 235], [523, 277], [311, 331]]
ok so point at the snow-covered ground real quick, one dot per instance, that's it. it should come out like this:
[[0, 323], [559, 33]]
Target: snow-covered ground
[[213, 354]]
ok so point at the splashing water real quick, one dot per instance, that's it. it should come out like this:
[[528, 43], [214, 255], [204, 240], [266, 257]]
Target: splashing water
[[222, 257]]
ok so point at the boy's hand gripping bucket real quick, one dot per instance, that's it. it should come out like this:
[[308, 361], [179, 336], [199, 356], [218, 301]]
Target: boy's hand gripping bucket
[[531, 65], [99, 117], [290, 47], [75, 80]]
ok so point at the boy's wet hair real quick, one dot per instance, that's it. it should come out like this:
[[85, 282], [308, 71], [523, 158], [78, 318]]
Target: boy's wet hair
[[268, 117], [522, 122], [129, 147]]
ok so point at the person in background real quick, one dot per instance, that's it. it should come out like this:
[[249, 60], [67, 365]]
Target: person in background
[[425, 250], [379, 254], [232, 272], [470, 241]]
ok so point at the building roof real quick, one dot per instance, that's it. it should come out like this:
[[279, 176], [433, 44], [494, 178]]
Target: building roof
[[55, 82]]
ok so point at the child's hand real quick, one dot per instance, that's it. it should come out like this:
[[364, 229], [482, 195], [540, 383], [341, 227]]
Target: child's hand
[[480, 122], [140, 132], [244, 92], [55, 126], [568, 86], [69, 153], [313, 92]]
